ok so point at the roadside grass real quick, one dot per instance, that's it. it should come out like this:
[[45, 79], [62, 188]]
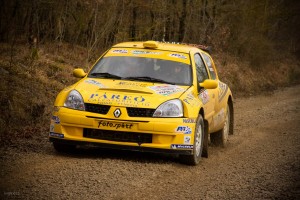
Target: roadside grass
[[246, 80], [30, 84]]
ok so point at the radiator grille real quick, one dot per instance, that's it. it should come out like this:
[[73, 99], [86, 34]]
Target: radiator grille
[[140, 112], [96, 108], [118, 136]]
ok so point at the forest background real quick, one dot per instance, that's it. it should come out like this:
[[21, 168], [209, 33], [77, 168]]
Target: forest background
[[255, 44]]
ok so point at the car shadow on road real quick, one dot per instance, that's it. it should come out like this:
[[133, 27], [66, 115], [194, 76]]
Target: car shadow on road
[[127, 155]]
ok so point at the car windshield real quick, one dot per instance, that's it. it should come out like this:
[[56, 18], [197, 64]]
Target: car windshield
[[142, 69]]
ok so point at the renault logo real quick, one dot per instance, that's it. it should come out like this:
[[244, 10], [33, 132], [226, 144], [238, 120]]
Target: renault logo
[[117, 113]]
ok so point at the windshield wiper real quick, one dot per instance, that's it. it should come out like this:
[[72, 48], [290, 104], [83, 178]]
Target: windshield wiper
[[147, 78], [105, 75]]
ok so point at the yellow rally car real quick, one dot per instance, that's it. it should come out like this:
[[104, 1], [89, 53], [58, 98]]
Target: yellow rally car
[[146, 96]]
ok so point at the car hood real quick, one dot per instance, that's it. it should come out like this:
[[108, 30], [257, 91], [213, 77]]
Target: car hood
[[127, 93]]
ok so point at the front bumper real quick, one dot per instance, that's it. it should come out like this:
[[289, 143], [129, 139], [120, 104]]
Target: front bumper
[[161, 135], [121, 147]]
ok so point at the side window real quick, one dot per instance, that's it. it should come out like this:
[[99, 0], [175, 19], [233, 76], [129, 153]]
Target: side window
[[209, 64], [200, 68]]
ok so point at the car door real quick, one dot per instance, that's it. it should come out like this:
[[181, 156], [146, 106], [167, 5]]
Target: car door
[[205, 95], [218, 116]]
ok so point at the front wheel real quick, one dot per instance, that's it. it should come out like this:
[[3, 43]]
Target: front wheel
[[194, 159]]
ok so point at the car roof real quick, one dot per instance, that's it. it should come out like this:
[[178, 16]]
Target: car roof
[[161, 46]]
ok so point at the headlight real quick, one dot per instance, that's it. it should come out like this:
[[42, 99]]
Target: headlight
[[74, 101], [172, 108]]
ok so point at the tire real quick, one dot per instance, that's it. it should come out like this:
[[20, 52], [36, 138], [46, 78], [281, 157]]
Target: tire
[[195, 158], [64, 148], [220, 138]]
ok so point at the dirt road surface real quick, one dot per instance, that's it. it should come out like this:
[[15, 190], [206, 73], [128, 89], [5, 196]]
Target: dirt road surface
[[262, 161]]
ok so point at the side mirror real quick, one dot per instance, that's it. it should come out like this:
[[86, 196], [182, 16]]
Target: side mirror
[[209, 84], [79, 73]]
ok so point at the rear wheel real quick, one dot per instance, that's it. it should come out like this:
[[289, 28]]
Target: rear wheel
[[220, 138], [194, 159], [63, 148]]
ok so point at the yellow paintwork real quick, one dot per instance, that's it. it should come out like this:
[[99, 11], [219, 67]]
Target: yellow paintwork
[[151, 44], [209, 84], [124, 93], [79, 73]]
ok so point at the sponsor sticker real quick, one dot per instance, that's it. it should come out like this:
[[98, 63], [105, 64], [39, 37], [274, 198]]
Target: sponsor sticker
[[120, 51], [58, 135], [189, 120], [166, 90], [118, 99], [93, 82], [114, 125], [187, 139], [191, 100], [138, 52], [186, 101], [131, 84], [204, 96], [55, 119], [181, 146], [184, 129], [222, 90], [177, 55]]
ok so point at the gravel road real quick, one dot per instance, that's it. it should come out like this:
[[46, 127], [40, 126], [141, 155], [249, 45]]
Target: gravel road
[[262, 161]]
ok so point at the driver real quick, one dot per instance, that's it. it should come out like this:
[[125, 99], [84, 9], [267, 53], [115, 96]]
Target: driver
[[130, 67]]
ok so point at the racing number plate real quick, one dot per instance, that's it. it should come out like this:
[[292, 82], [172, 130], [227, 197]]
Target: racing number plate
[[103, 124]]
